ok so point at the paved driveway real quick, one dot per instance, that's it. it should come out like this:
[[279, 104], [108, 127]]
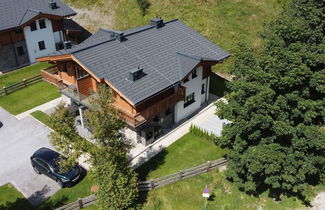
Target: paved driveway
[[18, 141]]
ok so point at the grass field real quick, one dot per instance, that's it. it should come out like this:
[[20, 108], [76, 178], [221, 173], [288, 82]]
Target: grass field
[[29, 97], [188, 151], [41, 116], [225, 22], [11, 199], [22, 73]]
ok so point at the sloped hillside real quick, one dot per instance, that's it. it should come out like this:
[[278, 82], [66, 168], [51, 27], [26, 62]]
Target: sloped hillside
[[225, 22]]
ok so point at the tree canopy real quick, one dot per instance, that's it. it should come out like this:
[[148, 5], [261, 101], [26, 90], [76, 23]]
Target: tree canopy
[[108, 156], [277, 106]]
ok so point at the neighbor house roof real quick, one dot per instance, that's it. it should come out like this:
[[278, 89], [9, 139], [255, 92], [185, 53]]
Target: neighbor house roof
[[14, 13], [165, 54]]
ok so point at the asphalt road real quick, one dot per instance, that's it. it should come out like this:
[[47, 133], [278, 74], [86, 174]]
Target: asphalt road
[[18, 140]]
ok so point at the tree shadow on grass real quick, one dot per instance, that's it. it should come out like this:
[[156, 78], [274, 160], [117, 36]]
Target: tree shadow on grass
[[144, 170], [23, 204]]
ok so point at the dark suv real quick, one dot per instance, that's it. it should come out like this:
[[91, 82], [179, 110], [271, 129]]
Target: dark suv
[[44, 161]]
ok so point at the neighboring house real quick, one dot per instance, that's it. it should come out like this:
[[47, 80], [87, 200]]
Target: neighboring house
[[159, 73], [30, 29]]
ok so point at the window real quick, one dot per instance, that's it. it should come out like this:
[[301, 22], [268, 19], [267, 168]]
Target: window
[[194, 74], [189, 100], [33, 26], [80, 72], [42, 163], [41, 45], [203, 89], [20, 50], [42, 24]]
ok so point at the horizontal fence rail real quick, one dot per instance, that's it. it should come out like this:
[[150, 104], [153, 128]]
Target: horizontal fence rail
[[155, 183], [17, 86]]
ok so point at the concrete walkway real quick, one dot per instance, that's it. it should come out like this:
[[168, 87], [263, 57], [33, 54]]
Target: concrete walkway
[[140, 154], [44, 108]]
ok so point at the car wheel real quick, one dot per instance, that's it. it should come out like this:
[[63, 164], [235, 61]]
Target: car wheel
[[60, 183], [36, 170]]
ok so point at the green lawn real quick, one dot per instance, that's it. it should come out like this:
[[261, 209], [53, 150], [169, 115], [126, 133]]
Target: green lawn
[[22, 73], [29, 97], [68, 195], [188, 151], [41, 116], [10, 198], [187, 194]]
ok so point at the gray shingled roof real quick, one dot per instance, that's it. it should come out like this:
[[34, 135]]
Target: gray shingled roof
[[14, 13], [166, 55]]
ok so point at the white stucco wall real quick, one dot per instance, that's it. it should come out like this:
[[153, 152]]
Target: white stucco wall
[[193, 85], [58, 36], [33, 37]]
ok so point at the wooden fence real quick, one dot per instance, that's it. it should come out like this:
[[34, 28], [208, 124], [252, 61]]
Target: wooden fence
[[26, 82], [155, 183]]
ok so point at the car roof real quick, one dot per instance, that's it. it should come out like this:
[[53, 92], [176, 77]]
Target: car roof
[[46, 154]]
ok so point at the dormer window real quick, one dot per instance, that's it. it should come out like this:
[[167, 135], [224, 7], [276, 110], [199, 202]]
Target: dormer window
[[136, 74], [194, 74]]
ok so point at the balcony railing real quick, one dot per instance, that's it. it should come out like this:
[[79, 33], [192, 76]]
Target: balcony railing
[[71, 92], [51, 75], [141, 117], [164, 104]]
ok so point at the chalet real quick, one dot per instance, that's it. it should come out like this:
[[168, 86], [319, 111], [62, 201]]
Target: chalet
[[159, 73], [30, 29]]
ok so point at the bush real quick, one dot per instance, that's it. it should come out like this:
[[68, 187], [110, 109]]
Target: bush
[[199, 132]]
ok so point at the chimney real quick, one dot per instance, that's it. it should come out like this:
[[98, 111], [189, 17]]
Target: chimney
[[157, 22], [67, 45], [117, 35], [52, 4], [136, 74]]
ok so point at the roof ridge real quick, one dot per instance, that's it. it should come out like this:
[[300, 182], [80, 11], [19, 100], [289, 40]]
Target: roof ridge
[[94, 45], [190, 56], [29, 9], [147, 63], [185, 32]]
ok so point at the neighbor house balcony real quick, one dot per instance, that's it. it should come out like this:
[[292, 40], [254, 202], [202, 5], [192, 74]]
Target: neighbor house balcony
[[71, 92], [51, 75], [157, 107]]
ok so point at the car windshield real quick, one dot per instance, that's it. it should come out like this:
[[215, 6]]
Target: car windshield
[[55, 166]]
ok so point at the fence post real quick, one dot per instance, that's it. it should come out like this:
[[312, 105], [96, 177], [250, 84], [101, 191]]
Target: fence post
[[152, 185], [209, 166], [5, 90], [81, 205], [24, 81], [181, 175]]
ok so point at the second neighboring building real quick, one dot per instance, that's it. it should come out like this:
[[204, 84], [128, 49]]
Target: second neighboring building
[[30, 29]]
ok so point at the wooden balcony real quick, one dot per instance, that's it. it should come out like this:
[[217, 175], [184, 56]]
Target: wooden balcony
[[51, 75], [159, 106], [164, 104]]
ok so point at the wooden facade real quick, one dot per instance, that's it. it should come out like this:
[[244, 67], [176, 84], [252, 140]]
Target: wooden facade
[[133, 114], [9, 37]]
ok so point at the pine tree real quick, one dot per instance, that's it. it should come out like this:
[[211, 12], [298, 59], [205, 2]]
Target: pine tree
[[277, 106]]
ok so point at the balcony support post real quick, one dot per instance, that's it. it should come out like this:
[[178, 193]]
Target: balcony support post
[[81, 117]]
